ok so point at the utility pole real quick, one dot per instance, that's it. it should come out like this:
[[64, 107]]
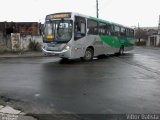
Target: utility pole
[[159, 26], [138, 25], [159, 29], [97, 9]]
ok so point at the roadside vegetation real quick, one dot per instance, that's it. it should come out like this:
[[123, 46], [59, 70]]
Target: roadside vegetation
[[5, 50], [140, 43], [34, 46], [141, 37]]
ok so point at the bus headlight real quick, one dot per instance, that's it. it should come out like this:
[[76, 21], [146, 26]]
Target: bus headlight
[[67, 47]]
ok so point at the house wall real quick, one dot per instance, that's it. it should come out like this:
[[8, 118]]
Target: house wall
[[21, 42], [38, 38], [153, 40], [1, 38], [17, 35], [25, 41], [15, 41]]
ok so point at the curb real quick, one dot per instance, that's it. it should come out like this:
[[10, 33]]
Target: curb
[[20, 56], [27, 55]]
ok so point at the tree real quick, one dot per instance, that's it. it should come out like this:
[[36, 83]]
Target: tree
[[141, 34]]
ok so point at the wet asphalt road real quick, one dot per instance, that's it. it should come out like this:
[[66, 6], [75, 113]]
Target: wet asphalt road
[[124, 84]]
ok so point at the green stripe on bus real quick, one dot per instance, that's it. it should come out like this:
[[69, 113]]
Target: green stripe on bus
[[116, 42]]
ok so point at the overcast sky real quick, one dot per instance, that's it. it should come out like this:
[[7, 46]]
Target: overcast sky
[[126, 12]]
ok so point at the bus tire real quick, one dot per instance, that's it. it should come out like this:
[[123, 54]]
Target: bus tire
[[88, 54], [121, 50]]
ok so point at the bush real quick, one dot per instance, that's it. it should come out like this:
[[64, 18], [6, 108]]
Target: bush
[[141, 43], [4, 49], [34, 46]]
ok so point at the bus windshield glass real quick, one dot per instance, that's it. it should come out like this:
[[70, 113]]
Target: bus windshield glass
[[59, 30]]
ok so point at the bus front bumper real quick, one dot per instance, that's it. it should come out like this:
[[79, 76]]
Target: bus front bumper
[[63, 54], [54, 52]]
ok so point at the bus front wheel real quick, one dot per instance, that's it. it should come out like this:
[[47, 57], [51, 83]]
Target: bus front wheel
[[88, 54]]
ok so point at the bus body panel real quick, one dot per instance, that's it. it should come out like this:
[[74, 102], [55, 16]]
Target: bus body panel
[[75, 48], [101, 44]]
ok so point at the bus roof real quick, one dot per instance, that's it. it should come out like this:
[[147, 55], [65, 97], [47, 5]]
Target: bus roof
[[101, 20], [94, 18], [108, 22]]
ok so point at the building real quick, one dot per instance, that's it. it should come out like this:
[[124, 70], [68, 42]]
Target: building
[[31, 28], [24, 32], [24, 28], [154, 36]]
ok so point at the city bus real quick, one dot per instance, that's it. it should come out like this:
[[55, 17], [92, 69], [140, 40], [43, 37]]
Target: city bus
[[72, 35]]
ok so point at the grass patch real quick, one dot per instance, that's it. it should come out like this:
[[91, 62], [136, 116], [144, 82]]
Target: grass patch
[[11, 102], [4, 49], [5, 99], [2, 102], [19, 108]]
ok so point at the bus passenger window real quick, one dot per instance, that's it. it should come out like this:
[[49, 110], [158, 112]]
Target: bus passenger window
[[92, 27], [123, 31], [80, 27], [109, 30], [117, 30], [83, 29], [102, 28], [131, 33], [127, 32]]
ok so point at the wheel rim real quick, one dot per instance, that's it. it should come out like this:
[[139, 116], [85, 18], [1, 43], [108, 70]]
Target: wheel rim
[[88, 55]]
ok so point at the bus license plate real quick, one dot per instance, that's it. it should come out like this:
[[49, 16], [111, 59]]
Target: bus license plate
[[50, 45]]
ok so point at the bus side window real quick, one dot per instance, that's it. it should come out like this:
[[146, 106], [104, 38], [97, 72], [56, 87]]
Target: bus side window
[[102, 28], [131, 33], [127, 32], [79, 27], [109, 30], [123, 31], [112, 31], [117, 30], [92, 27]]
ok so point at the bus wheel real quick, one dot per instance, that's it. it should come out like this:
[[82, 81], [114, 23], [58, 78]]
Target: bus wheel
[[121, 50], [88, 54]]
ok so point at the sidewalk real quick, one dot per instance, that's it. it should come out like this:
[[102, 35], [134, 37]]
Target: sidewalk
[[9, 113], [148, 47], [22, 55]]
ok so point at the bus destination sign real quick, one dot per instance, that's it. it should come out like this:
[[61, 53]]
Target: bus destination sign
[[59, 16]]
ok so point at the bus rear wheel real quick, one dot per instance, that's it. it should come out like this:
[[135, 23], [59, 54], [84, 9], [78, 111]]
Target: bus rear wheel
[[121, 50], [88, 54]]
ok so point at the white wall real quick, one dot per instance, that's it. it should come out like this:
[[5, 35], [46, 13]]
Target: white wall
[[156, 40], [21, 42]]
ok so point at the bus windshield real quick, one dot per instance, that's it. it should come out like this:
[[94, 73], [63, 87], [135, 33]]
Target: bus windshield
[[59, 30]]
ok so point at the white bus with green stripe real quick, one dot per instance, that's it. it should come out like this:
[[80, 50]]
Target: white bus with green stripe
[[73, 35]]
